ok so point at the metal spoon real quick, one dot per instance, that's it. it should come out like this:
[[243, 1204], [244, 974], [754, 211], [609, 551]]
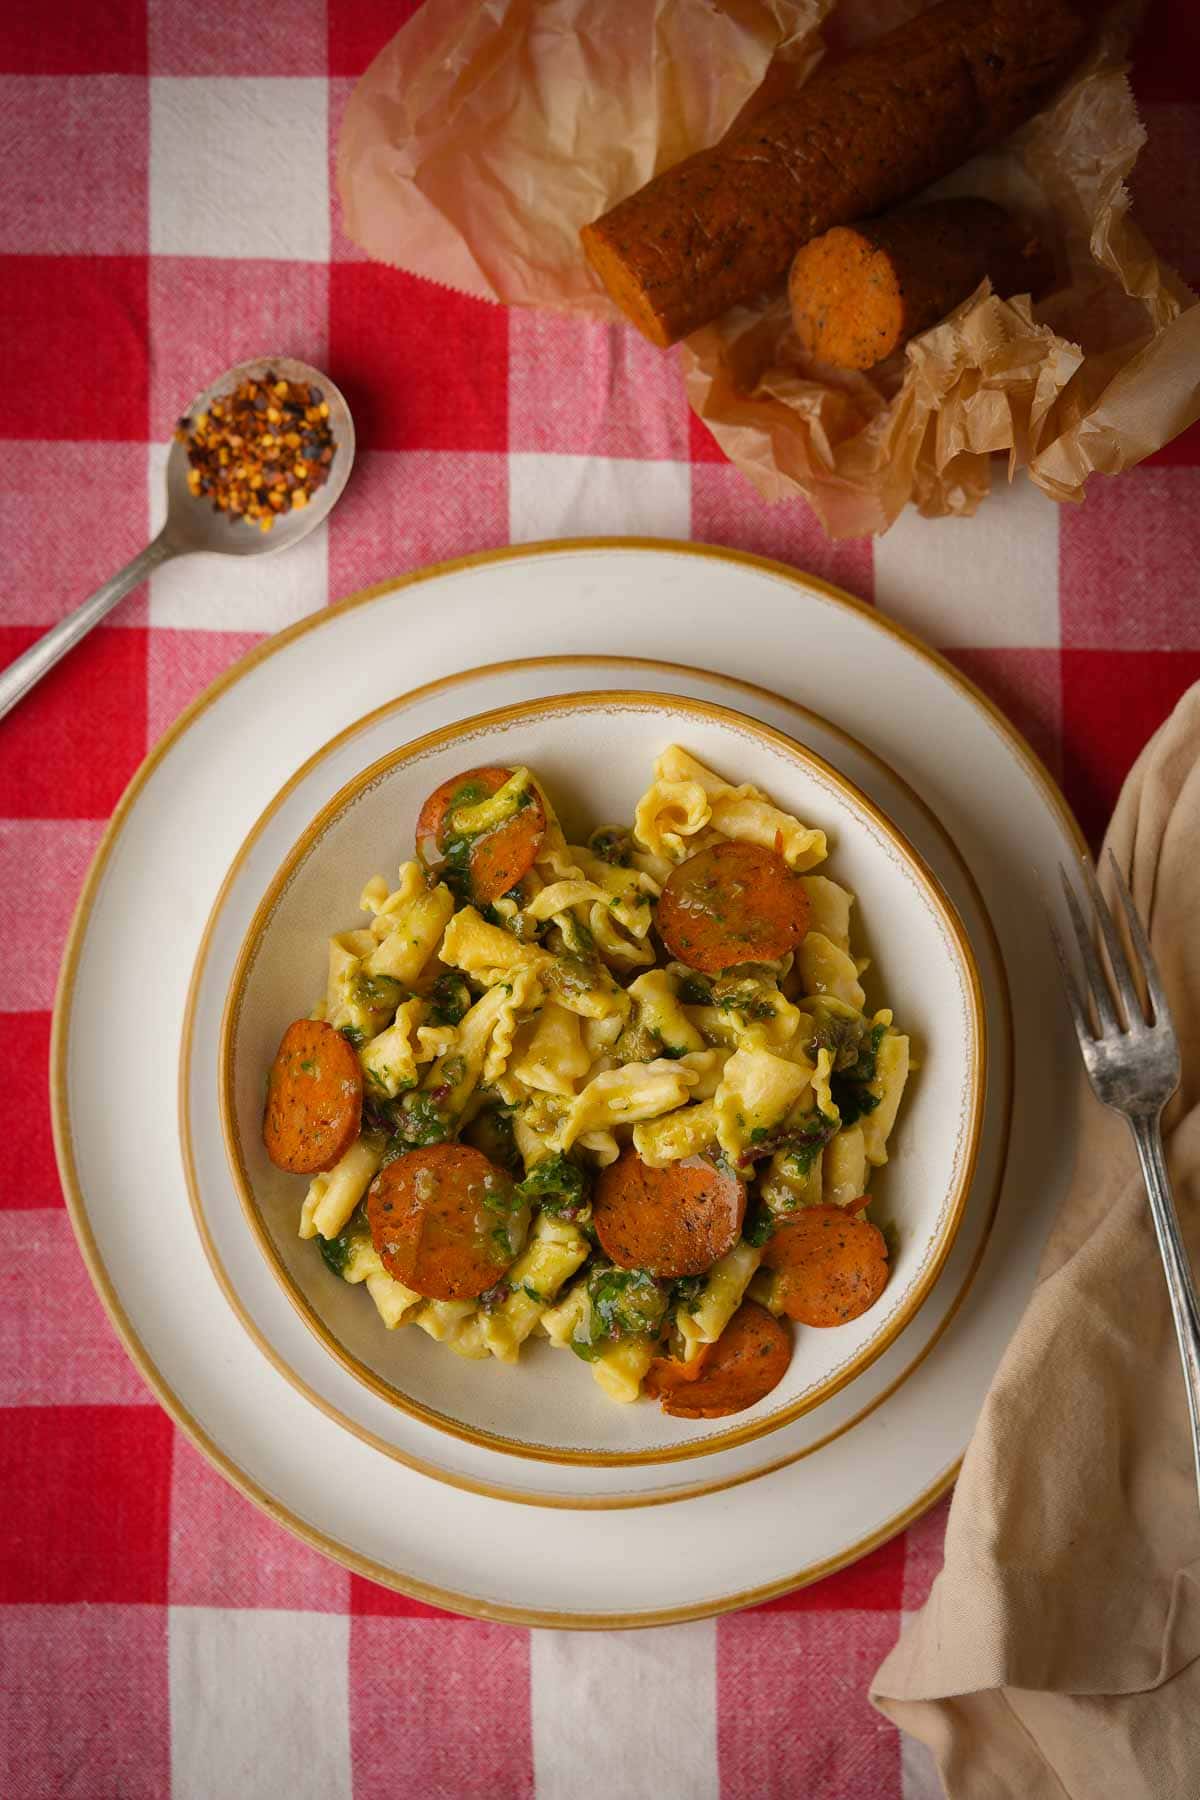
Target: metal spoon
[[193, 526]]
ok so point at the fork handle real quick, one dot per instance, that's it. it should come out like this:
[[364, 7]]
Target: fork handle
[[40, 658], [1185, 1307]]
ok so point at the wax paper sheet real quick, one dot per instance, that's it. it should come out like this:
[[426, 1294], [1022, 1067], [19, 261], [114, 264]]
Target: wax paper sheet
[[489, 131]]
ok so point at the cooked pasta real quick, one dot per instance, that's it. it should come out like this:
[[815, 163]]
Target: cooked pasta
[[588, 1083]]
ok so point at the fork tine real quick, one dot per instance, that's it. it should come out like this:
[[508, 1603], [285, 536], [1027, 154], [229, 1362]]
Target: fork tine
[[1083, 1025], [1141, 945], [1118, 962], [1097, 980]]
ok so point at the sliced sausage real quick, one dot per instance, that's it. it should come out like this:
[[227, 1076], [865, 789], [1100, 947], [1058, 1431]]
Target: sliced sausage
[[859, 292], [314, 1099], [832, 1267], [748, 1359], [497, 859], [666, 1374], [866, 131], [673, 1221], [438, 1220], [732, 903]]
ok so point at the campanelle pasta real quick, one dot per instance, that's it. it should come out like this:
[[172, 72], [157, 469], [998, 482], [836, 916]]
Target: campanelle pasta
[[593, 1091]]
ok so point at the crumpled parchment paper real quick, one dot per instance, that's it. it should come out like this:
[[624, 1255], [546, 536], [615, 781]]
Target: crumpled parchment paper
[[489, 131]]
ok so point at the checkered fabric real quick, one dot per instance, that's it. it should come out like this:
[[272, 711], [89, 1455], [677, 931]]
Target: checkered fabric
[[167, 208]]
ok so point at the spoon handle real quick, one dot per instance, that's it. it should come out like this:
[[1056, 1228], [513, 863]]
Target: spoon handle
[[40, 658]]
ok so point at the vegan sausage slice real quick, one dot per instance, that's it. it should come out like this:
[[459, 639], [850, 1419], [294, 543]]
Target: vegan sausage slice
[[674, 1221], [314, 1099], [832, 1267], [496, 859], [732, 903], [438, 1220], [749, 1358]]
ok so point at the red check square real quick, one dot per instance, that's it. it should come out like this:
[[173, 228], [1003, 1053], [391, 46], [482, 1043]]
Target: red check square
[[411, 1708], [359, 29], [73, 743], [102, 519], [86, 1499], [31, 1174], [1129, 563], [285, 38], [404, 509], [727, 509], [1165, 183], [422, 368], [1131, 692], [74, 37], [84, 1707], [209, 312], [792, 1700], [81, 324], [74, 165]]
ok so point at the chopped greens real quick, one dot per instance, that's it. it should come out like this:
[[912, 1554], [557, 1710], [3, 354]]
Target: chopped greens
[[449, 999], [686, 1292], [612, 844], [560, 1187], [337, 1251], [622, 1303], [851, 1095], [491, 1131]]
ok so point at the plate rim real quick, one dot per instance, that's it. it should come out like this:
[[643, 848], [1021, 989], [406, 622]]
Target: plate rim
[[492, 1490], [60, 1035], [518, 713]]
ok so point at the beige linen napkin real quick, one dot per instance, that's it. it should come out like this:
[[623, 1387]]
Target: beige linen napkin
[[1058, 1651]]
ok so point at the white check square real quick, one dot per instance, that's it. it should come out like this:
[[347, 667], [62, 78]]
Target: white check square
[[596, 496], [239, 167], [988, 582]]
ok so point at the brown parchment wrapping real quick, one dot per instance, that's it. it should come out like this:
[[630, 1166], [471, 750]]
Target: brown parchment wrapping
[[489, 131]]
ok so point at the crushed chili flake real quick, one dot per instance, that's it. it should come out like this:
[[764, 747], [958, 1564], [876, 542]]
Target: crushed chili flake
[[261, 451]]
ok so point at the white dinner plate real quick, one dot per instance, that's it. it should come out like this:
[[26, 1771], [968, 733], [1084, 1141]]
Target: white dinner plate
[[148, 895], [234, 1255]]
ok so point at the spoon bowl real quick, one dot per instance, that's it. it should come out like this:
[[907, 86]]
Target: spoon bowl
[[194, 524]]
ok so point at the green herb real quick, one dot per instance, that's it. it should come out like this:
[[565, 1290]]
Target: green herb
[[337, 1251], [378, 993], [309, 1068], [694, 990], [759, 1134], [491, 1132], [686, 1292], [417, 1120], [494, 1296], [623, 1303], [354, 1037], [805, 1142], [759, 1225], [849, 1089], [449, 999], [559, 1186], [527, 1287], [612, 845], [453, 1069]]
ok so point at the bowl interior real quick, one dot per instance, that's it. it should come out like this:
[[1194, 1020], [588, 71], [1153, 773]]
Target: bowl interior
[[595, 755]]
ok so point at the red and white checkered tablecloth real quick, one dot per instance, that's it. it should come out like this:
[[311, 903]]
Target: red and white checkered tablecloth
[[167, 208]]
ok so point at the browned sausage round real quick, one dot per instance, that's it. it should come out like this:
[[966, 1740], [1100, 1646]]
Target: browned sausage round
[[438, 1220], [832, 1267], [314, 1099], [733, 903], [748, 1359], [497, 859], [671, 1222]]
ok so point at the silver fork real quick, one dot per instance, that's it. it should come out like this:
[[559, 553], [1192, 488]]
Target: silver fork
[[1132, 1062]]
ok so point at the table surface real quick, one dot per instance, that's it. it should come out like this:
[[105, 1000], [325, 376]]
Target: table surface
[[166, 209]]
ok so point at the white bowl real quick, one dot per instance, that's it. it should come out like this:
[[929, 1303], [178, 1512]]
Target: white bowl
[[595, 754]]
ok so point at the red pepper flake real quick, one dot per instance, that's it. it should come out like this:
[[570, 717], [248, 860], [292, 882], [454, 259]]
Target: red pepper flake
[[260, 451]]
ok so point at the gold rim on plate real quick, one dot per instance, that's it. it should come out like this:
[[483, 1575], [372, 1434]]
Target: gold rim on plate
[[493, 1490], [529, 712], [60, 1099]]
